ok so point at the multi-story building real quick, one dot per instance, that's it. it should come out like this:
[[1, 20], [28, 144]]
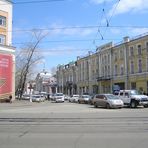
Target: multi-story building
[[120, 64], [105, 70], [83, 74], [67, 78], [7, 58], [124, 65], [45, 82]]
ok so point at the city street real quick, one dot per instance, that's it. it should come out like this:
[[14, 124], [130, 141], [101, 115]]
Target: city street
[[69, 125]]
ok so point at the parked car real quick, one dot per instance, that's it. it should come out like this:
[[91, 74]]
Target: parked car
[[107, 101], [26, 96], [84, 99], [74, 98], [59, 97], [37, 98], [51, 97], [66, 97], [91, 99], [133, 98]]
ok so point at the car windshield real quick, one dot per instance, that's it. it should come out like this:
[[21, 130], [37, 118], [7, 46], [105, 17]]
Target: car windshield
[[59, 94], [134, 92], [85, 96], [37, 96], [112, 97], [75, 95]]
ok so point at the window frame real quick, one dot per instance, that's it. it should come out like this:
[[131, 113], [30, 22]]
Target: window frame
[[139, 49], [2, 39], [2, 21]]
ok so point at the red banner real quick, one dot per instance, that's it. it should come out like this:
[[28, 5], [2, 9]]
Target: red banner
[[5, 74]]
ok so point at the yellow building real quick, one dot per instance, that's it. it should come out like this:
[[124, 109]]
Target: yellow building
[[104, 78], [130, 63], [7, 57], [83, 74], [123, 65]]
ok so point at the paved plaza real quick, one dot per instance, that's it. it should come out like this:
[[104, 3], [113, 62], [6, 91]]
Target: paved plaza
[[70, 125]]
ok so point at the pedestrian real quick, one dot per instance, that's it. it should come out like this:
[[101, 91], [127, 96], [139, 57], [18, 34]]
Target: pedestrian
[[10, 98]]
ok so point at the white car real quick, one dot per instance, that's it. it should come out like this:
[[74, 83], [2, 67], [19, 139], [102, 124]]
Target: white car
[[59, 97], [132, 98], [25, 96], [74, 98], [37, 98]]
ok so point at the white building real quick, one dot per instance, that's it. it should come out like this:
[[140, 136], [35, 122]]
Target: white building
[[45, 82]]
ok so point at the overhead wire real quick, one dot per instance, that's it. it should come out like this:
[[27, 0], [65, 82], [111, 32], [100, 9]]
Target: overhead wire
[[33, 2], [74, 27], [109, 20], [57, 41]]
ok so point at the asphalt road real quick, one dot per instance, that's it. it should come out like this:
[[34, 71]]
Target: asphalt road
[[67, 125]]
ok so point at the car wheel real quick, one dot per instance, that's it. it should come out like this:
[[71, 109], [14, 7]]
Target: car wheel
[[95, 105], [145, 106], [133, 104], [107, 106]]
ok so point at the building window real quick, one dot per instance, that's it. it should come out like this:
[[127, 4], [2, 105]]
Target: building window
[[147, 87], [2, 21], [147, 64], [108, 58], [147, 46], [131, 51], [139, 50], [108, 70], [132, 67], [140, 65], [121, 54], [2, 39], [121, 70], [116, 70], [133, 85], [115, 56]]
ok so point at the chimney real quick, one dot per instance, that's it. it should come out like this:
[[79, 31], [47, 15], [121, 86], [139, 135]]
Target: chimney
[[126, 39]]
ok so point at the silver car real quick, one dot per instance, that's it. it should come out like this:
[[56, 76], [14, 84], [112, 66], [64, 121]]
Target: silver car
[[74, 98], [107, 101], [84, 99]]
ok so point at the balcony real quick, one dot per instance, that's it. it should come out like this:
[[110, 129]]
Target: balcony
[[104, 78]]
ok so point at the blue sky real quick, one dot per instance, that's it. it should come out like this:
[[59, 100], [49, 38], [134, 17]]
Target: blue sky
[[80, 17]]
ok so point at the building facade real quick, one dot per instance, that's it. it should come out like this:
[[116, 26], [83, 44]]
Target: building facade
[[45, 82], [124, 65], [67, 78], [7, 57]]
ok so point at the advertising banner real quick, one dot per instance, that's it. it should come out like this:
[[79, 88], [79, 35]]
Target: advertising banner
[[5, 74]]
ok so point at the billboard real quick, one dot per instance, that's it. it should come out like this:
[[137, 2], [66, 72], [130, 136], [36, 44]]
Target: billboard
[[6, 66]]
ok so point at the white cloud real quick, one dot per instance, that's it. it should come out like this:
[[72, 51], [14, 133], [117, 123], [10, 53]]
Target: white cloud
[[125, 6], [116, 31], [61, 50], [99, 1], [137, 31], [58, 29]]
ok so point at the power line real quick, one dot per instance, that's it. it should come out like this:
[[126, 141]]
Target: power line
[[33, 2], [73, 27], [109, 20], [57, 41]]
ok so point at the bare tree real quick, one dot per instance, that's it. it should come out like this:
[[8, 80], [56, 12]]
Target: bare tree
[[26, 59]]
